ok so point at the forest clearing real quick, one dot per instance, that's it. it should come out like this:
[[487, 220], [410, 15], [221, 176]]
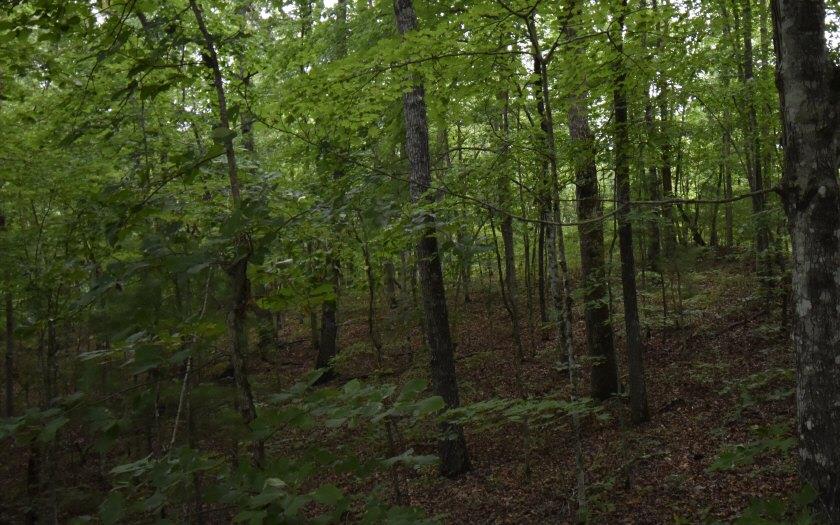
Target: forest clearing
[[416, 262]]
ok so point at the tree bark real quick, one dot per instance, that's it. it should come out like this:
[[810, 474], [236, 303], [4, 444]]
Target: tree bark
[[454, 459], [596, 308], [808, 91], [635, 351]]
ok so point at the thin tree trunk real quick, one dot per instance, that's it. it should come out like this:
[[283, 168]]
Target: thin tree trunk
[[727, 194], [328, 337], [371, 282], [545, 195], [754, 152], [727, 141], [390, 283], [654, 193], [653, 248], [510, 291], [807, 82], [635, 350], [454, 459], [237, 271], [9, 363], [541, 269], [669, 235], [561, 313], [713, 234]]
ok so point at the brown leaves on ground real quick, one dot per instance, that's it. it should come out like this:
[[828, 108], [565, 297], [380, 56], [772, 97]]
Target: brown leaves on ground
[[657, 472]]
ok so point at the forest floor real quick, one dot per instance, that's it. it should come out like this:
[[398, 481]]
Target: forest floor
[[718, 375]]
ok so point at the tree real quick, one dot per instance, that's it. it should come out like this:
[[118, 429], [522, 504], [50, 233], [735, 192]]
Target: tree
[[638, 392], [807, 82], [599, 335], [454, 459], [237, 269]]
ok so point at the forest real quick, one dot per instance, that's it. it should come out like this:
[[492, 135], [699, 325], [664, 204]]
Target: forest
[[420, 261]]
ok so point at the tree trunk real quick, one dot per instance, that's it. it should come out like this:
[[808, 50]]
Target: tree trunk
[[541, 268], [505, 202], [654, 193], [754, 154], [713, 233], [8, 361], [454, 459], [328, 337], [653, 248], [635, 351], [599, 334], [669, 235], [807, 81], [237, 271], [390, 284], [729, 238], [558, 269], [371, 317]]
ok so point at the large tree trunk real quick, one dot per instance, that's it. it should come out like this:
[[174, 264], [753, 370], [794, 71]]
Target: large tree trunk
[[807, 82], [635, 350], [596, 308], [454, 459]]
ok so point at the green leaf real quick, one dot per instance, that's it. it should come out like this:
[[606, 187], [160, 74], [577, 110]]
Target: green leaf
[[430, 405], [48, 432], [221, 134], [112, 509], [328, 495], [412, 388], [264, 498], [805, 496]]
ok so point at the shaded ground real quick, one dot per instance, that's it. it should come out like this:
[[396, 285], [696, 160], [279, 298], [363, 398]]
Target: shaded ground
[[713, 373], [717, 373]]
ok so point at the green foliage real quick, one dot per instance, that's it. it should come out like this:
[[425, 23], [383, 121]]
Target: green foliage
[[796, 508], [278, 491], [537, 412], [120, 227], [774, 439]]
